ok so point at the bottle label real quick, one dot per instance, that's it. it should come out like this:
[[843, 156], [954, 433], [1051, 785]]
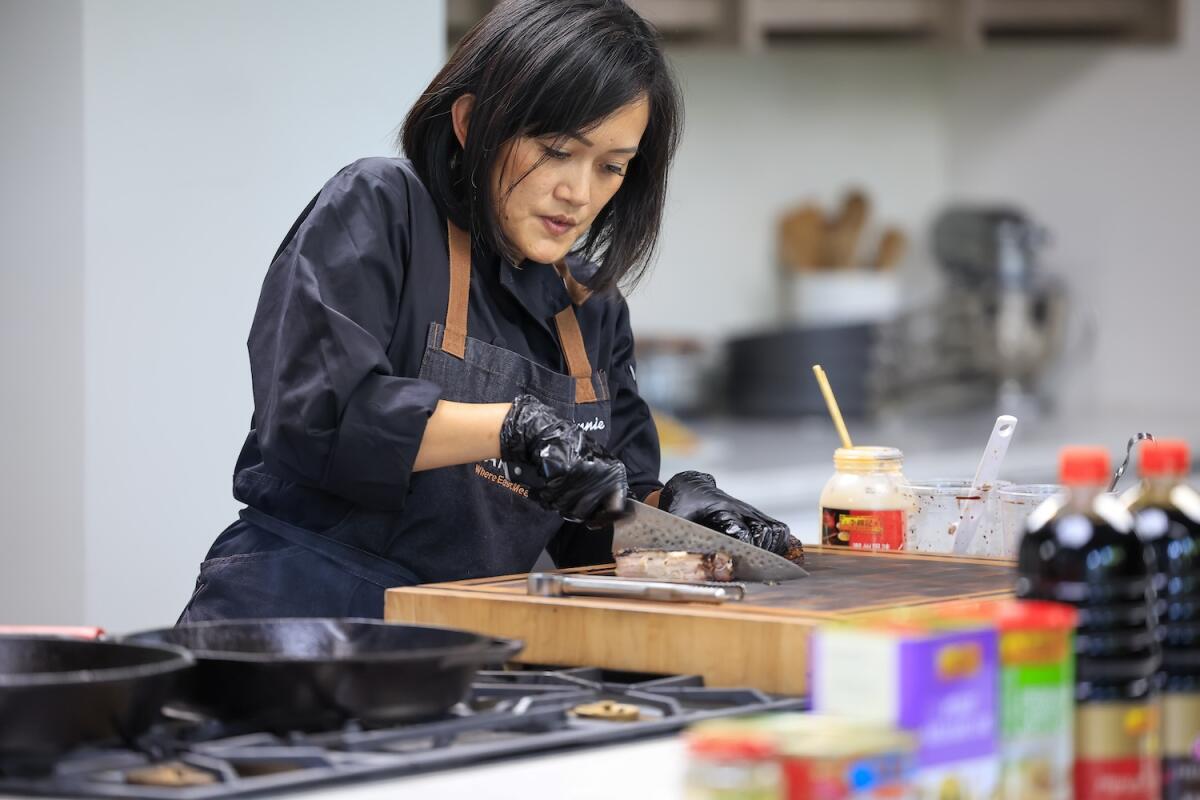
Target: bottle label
[[1116, 779], [1181, 723], [1037, 693], [1181, 778], [1181, 735], [1117, 751], [862, 530]]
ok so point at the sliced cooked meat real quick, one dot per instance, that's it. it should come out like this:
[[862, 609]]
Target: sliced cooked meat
[[674, 565]]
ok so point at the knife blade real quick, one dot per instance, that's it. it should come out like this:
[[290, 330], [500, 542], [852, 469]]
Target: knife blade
[[650, 528]]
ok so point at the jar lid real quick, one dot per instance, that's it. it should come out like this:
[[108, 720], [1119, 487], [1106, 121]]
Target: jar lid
[[731, 746], [864, 456]]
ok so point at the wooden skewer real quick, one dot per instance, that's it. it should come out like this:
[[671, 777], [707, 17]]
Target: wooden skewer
[[834, 411]]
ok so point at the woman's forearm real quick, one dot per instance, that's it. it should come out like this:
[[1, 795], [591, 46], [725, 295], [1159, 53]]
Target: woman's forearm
[[461, 433]]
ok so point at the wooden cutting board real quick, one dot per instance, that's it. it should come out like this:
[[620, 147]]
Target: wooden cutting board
[[761, 642]]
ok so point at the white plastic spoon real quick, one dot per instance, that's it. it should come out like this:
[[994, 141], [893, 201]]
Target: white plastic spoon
[[985, 479]]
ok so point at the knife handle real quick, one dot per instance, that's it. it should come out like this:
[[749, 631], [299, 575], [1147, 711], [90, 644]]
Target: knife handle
[[617, 507]]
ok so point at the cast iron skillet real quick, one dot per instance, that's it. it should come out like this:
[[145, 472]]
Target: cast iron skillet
[[57, 692], [298, 674]]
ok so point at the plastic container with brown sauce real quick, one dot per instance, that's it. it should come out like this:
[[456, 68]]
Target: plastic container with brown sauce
[[865, 505]]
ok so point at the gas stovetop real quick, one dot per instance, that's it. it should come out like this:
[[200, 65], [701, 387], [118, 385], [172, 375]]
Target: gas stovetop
[[507, 714]]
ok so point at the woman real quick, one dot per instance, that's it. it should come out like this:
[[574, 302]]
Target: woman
[[442, 365]]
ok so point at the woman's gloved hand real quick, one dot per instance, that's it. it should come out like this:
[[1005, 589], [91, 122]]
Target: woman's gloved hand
[[695, 497], [565, 469]]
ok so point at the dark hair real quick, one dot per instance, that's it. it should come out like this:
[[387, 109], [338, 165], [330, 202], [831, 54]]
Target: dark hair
[[546, 67]]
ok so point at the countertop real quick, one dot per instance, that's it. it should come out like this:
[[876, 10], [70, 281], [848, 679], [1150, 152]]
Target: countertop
[[781, 466], [648, 768]]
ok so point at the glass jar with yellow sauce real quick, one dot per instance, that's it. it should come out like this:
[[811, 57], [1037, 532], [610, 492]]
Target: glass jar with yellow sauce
[[865, 504]]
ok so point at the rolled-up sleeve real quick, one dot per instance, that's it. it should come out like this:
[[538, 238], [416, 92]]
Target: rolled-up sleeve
[[329, 412]]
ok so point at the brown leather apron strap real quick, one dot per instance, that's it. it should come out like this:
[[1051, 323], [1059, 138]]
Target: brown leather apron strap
[[578, 292], [454, 340], [571, 341]]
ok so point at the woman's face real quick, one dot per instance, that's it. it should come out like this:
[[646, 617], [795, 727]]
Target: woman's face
[[544, 212]]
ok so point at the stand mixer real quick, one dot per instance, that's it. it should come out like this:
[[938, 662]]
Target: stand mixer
[[997, 326]]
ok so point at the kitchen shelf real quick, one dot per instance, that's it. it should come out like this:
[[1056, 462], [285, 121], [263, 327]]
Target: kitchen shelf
[[755, 25], [1147, 21]]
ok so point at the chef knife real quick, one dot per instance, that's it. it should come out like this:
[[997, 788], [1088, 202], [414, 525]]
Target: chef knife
[[650, 528]]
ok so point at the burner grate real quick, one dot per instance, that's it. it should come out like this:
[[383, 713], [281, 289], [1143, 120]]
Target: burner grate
[[506, 714]]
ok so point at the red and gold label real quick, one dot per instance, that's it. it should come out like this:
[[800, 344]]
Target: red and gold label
[[1117, 752], [1034, 647], [862, 530]]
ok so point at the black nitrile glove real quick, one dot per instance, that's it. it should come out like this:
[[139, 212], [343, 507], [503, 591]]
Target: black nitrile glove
[[695, 497], [565, 469]]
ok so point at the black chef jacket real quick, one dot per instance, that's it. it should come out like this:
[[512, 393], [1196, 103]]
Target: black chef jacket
[[363, 272]]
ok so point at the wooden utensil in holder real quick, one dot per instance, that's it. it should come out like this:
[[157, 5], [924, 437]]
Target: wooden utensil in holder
[[841, 240], [826, 278], [801, 233], [892, 247]]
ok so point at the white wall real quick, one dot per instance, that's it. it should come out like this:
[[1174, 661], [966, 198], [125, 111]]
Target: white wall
[[41, 305], [763, 134], [210, 125], [1103, 146], [154, 154]]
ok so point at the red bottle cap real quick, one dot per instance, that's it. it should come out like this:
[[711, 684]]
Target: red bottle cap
[[1084, 466], [1183, 457], [1164, 458]]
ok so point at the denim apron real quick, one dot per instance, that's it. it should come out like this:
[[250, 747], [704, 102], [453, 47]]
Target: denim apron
[[467, 521]]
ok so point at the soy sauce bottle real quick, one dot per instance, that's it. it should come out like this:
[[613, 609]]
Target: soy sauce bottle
[[1079, 548], [1167, 517]]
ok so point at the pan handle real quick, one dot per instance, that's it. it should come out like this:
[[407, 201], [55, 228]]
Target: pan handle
[[496, 651], [72, 631]]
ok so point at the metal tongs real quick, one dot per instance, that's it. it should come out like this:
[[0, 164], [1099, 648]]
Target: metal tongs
[[549, 584], [1137, 437]]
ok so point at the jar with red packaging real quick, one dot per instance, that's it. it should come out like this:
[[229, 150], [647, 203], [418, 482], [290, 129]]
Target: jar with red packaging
[[731, 761], [865, 505], [826, 757]]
